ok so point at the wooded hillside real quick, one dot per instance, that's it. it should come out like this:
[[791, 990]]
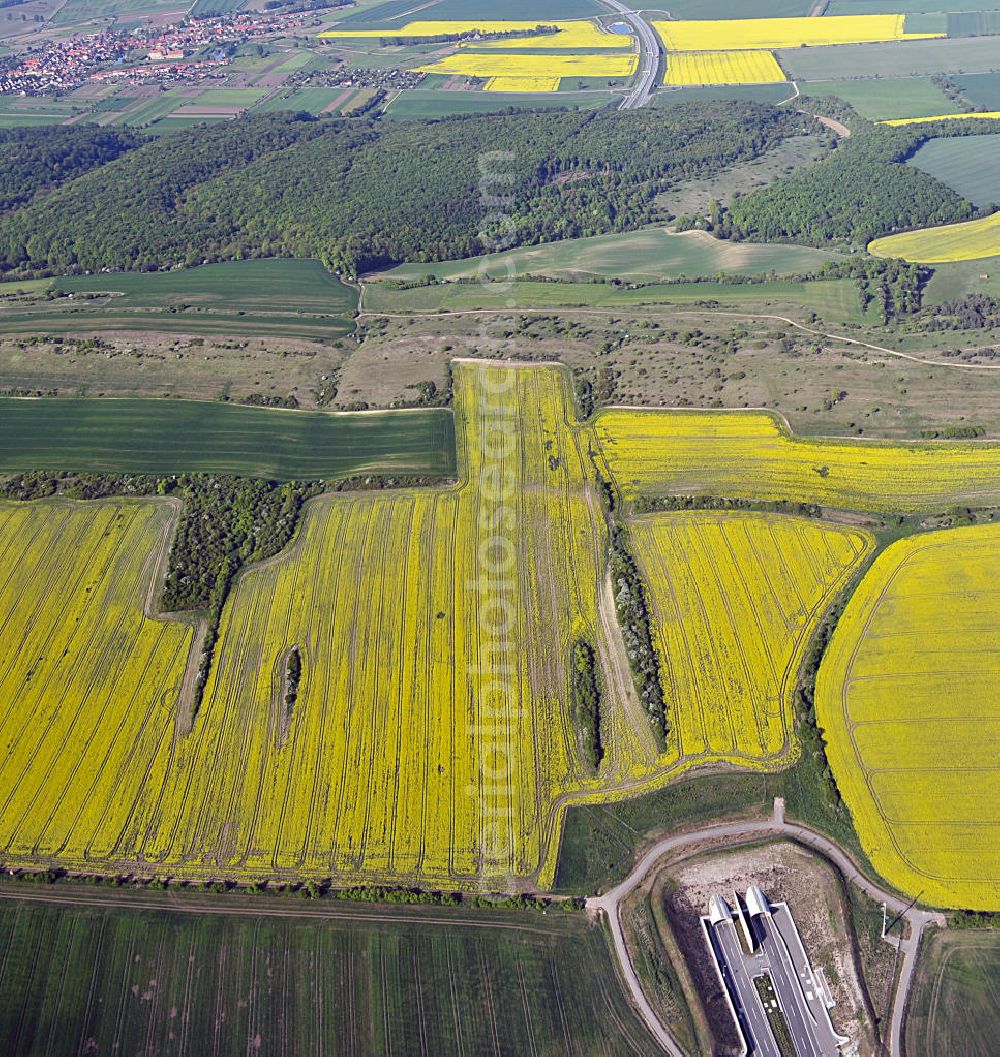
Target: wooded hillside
[[362, 193]]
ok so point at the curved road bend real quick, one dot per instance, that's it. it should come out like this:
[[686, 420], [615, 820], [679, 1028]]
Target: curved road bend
[[649, 56], [742, 833]]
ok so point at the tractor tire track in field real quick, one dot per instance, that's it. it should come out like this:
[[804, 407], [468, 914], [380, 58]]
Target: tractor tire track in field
[[615, 666]]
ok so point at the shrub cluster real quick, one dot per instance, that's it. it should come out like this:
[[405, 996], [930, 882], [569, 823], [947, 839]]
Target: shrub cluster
[[587, 701], [635, 617]]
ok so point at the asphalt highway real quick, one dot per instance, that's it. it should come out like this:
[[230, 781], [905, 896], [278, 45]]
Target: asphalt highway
[[649, 56], [786, 987], [747, 1000]]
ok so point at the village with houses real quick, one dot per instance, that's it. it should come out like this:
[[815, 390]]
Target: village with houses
[[193, 49]]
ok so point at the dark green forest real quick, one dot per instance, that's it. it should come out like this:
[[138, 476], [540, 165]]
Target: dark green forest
[[33, 160], [362, 193]]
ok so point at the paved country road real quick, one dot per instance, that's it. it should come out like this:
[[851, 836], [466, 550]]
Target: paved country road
[[742, 833], [649, 57]]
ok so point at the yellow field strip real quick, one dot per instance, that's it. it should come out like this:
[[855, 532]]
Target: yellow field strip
[[908, 697], [770, 33], [969, 241], [723, 67], [751, 455], [522, 84], [577, 35], [991, 115], [581, 33], [89, 684], [481, 64]]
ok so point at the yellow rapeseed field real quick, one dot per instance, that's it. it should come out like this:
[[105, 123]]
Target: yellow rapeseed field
[[768, 33], [430, 733], [490, 64], [577, 35], [581, 33], [723, 67], [429, 28], [736, 598], [432, 738], [951, 242], [89, 684], [752, 455], [908, 696], [896, 121], [521, 84]]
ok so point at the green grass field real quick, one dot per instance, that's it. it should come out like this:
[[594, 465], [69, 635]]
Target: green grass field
[[969, 165], [14, 120], [242, 97], [16, 112], [74, 11], [600, 841], [912, 58], [255, 286], [875, 97], [430, 102], [158, 106], [315, 100], [275, 296], [954, 1005], [833, 299], [726, 9], [335, 979], [636, 256], [190, 436], [973, 23], [204, 8], [952, 282], [982, 88], [894, 7], [90, 320]]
